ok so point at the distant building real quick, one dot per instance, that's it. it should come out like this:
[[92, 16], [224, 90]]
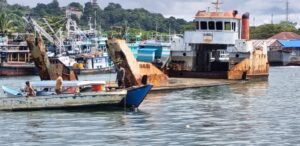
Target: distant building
[[291, 52], [74, 10], [285, 52], [94, 2], [272, 44], [285, 49], [286, 36]]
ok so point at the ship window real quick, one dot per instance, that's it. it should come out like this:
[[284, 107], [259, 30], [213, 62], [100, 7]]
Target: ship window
[[23, 48], [14, 56], [211, 25], [197, 25], [227, 26], [203, 25], [233, 26], [219, 25]]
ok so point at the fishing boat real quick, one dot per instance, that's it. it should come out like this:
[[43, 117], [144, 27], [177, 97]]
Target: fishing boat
[[15, 57], [93, 64], [76, 94], [88, 48]]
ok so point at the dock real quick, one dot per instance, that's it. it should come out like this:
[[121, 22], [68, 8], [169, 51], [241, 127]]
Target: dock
[[189, 83]]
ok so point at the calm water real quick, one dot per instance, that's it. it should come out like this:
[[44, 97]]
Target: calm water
[[259, 113]]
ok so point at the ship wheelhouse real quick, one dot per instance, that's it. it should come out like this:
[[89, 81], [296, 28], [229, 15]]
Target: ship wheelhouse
[[214, 33], [218, 47]]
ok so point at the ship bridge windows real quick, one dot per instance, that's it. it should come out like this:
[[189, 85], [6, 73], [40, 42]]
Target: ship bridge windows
[[211, 25], [227, 25], [203, 25], [216, 25], [219, 25]]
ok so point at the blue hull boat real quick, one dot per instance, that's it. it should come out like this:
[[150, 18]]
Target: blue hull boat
[[17, 101], [136, 96]]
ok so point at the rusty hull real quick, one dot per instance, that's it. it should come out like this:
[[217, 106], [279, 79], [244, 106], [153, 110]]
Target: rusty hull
[[123, 57], [47, 68], [256, 66]]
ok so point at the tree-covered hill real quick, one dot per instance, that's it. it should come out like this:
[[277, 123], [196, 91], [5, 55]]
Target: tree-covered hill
[[106, 18], [268, 30], [114, 16]]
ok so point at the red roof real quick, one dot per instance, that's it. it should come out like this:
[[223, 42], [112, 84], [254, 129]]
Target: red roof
[[269, 42], [286, 36], [228, 14]]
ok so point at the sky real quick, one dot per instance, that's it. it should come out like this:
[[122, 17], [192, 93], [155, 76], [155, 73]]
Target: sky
[[260, 10]]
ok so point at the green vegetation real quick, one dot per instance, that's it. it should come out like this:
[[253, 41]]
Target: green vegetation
[[107, 19], [114, 20], [268, 30], [115, 15], [51, 9], [6, 24], [11, 16]]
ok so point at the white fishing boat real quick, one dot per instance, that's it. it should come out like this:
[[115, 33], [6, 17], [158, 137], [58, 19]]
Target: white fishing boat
[[76, 94]]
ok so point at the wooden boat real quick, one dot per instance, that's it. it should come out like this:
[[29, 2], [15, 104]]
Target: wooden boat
[[92, 94], [15, 57]]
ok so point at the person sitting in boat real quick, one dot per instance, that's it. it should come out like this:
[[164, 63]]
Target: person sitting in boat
[[58, 85], [29, 89], [120, 76]]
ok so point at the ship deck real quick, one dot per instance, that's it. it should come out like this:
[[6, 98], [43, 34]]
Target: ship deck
[[188, 83], [185, 83]]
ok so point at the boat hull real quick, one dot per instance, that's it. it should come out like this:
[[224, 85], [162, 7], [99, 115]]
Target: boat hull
[[92, 71], [136, 96], [67, 101], [17, 71], [17, 101]]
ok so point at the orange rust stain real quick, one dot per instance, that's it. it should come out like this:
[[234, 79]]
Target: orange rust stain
[[134, 70], [228, 14], [256, 65], [155, 76], [47, 68]]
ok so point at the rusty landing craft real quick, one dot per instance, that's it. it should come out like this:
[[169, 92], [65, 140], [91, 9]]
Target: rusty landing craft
[[218, 48]]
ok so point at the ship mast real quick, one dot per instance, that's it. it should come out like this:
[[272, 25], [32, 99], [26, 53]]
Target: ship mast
[[217, 5], [287, 11], [94, 2]]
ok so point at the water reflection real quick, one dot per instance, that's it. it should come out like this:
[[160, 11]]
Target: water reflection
[[250, 113], [222, 106], [250, 89], [31, 127]]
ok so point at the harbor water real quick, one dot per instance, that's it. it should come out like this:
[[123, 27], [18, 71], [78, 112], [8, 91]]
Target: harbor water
[[256, 113]]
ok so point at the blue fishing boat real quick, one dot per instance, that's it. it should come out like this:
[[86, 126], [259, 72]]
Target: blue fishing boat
[[91, 94], [135, 96]]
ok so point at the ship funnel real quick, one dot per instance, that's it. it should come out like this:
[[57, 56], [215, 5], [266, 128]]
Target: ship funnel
[[245, 26]]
